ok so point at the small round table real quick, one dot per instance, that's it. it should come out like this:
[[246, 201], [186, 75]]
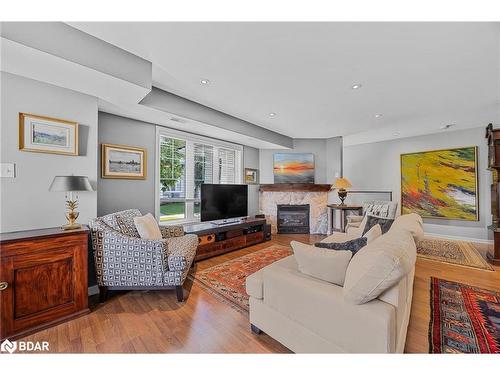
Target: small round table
[[342, 208]]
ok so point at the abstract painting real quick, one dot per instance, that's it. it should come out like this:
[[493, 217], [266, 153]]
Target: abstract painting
[[125, 162], [440, 184], [293, 168], [48, 135]]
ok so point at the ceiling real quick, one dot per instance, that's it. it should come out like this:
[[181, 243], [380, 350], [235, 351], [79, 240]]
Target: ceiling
[[419, 76]]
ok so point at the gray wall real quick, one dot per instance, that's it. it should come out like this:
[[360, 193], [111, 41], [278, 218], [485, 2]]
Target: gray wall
[[116, 194], [377, 166], [251, 160], [26, 202]]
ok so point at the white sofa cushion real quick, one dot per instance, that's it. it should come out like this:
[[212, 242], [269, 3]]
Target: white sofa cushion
[[324, 264], [253, 284], [148, 227], [412, 223], [378, 266], [374, 233], [319, 306]]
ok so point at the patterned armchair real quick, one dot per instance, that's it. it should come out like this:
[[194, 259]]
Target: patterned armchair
[[124, 261]]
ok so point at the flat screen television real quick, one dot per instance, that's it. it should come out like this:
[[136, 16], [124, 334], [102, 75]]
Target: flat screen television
[[221, 202]]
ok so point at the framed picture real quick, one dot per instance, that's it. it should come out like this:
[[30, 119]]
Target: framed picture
[[293, 168], [125, 162], [251, 176], [441, 184], [48, 135]]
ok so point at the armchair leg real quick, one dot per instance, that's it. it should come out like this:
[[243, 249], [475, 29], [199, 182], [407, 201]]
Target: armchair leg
[[180, 293], [255, 329], [103, 294]]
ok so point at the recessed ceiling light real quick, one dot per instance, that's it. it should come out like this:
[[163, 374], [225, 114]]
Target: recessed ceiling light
[[356, 86], [378, 115], [205, 82], [396, 134], [272, 114]]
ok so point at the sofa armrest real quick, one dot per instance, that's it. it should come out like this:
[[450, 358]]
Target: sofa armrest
[[355, 219], [180, 251]]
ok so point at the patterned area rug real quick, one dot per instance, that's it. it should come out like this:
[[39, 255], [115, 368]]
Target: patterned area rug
[[454, 252], [227, 280], [464, 319]]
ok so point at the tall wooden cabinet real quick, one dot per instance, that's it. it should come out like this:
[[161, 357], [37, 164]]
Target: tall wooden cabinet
[[493, 136], [43, 279]]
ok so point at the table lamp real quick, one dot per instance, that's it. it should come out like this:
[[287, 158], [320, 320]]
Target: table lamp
[[341, 184], [70, 184]]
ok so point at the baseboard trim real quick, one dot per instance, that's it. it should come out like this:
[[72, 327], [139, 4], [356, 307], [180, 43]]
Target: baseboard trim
[[93, 290], [459, 238]]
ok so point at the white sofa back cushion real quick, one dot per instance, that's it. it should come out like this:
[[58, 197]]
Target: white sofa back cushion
[[324, 264], [378, 266], [147, 226], [412, 223]]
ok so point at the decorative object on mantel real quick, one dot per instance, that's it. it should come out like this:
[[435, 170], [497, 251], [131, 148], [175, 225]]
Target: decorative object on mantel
[[293, 168], [70, 184], [251, 176], [441, 184], [341, 184], [126, 162], [48, 135]]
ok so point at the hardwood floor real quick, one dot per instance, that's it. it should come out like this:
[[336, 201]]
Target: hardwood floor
[[154, 322]]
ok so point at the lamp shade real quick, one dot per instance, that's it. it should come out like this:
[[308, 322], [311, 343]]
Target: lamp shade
[[70, 183], [341, 183]]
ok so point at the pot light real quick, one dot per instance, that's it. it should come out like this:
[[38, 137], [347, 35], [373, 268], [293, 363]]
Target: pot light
[[356, 86], [205, 82], [396, 134], [447, 126], [272, 114], [378, 115]]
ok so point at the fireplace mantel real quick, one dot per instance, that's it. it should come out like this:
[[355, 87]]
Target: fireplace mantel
[[295, 187]]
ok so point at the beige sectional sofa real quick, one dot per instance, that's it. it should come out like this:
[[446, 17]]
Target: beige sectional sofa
[[309, 315]]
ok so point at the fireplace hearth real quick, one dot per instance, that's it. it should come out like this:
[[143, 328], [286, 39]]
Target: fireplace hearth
[[293, 218]]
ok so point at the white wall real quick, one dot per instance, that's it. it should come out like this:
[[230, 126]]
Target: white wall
[[376, 166], [251, 160], [26, 202]]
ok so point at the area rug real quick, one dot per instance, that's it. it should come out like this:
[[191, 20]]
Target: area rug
[[454, 252], [464, 319], [227, 280]]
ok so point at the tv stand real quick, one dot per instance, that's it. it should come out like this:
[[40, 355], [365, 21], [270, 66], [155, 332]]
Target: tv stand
[[221, 238]]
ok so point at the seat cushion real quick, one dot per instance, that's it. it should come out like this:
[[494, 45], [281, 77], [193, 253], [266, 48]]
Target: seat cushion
[[320, 307], [378, 266], [324, 264]]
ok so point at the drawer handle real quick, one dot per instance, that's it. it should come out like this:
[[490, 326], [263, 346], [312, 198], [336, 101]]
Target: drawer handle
[[4, 285]]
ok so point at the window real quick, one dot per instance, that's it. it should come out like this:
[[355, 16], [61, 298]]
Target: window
[[186, 162]]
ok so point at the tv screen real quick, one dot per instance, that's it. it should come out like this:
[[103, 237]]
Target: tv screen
[[223, 201]]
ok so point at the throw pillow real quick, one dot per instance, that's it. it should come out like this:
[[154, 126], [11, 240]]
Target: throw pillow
[[353, 245], [379, 266], [147, 226], [320, 263], [385, 224], [373, 233]]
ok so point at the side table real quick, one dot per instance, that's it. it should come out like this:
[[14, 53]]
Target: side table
[[343, 209]]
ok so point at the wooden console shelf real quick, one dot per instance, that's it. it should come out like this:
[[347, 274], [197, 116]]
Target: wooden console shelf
[[219, 239]]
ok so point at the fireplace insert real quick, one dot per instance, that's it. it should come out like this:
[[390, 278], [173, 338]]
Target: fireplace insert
[[293, 218]]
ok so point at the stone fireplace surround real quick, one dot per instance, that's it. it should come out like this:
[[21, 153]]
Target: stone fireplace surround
[[316, 195]]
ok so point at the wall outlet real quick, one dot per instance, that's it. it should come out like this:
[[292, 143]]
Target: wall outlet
[[7, 170]]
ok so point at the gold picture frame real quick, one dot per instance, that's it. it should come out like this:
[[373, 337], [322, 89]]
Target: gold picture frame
[[129, 162], [473, 180], [251, 176], [47, 135]]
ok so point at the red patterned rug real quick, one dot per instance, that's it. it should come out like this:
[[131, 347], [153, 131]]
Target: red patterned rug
[[227, 280], [464, 319]]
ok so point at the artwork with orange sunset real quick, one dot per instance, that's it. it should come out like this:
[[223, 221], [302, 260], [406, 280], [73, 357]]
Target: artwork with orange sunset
[[293, 168], [440, 184]]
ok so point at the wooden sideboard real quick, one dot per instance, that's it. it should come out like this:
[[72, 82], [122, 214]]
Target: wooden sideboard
[[43, 279]]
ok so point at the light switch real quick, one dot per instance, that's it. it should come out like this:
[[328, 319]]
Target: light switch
[[8, 170]]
